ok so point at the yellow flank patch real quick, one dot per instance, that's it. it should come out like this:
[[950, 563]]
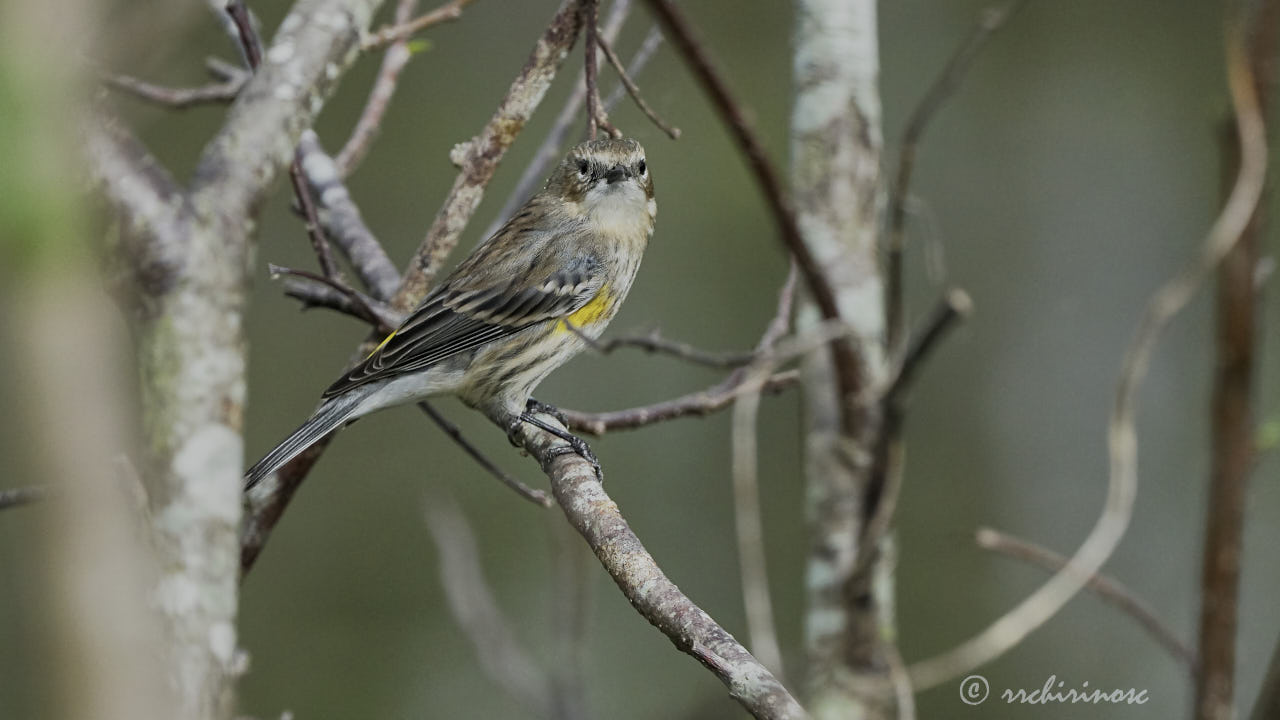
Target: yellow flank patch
[[590, 313], [382, 344]]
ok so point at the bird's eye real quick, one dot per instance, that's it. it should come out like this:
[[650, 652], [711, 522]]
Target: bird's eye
[[641, 167], [583, 167]]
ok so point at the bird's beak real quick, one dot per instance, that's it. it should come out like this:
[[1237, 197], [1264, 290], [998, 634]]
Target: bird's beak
[[617, 173]]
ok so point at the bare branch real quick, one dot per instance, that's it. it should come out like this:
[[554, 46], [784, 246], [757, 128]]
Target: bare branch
[[749, 533], [342, 219], [317, 41], [596, 116], [941, 90], [396, 33], [394, 61], [553, 144], [252, 47], [320, 291], [597, 518], [653, 342], [535, 496], [683, 38], [1233, 455], [1045, 602], [479, 157], [955, 306], [177, 98], [697, 404], [1107, 588], [634, 90], [473, 606]]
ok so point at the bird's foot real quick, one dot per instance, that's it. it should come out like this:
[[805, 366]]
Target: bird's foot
[[537, 406], [577, 445]]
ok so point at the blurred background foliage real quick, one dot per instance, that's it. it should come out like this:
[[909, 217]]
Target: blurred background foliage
[[1077, 168]]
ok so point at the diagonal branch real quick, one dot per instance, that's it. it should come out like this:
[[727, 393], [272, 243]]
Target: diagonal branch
[[681, 34], [478, 158], [634, 90], [404, 30], [394, 61], [597, 518]]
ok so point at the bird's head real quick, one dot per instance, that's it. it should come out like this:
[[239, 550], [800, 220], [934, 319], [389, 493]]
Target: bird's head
[[606, 177]]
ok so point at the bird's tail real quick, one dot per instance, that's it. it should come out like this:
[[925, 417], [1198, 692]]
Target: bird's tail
[[331, 416]]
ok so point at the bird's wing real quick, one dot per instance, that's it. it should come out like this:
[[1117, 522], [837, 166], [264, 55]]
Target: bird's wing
[[473, 308]]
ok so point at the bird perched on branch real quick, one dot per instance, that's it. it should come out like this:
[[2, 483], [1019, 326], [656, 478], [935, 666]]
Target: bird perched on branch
[[522, 304]]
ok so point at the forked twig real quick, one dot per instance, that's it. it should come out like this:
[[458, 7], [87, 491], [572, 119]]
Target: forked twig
[[533, 495], [634, 90]]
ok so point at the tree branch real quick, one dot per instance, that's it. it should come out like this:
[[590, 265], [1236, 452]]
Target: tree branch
[[394, 60], [177, 98], [683, 38], [634, 90], [342, 219], [403, 31], [478, 158], [552, 147], [940, 91], [1107, 588], [535, 496], [597, 518], [317, 42]]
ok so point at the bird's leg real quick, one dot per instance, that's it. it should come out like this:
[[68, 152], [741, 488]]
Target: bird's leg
[[576, 444]]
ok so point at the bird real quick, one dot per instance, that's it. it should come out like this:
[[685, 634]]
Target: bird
[[524, 302]]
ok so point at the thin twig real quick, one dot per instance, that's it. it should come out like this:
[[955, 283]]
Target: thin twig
[[882, 499], [14, 497], [1107, 588], [177, 98], [394, 61], [471, 602], [377, 314], [942, 88], [634, 90], [343, 221], [848, 370], [953, 307], [596, 117], [533, 495], [696, 404], [1122, 439], [403, 31], [315, 291], [311, 219], [553, 144], [653, 342], [749, 534]]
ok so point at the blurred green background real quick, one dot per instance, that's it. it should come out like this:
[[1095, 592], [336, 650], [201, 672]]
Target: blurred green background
[[1077, 168]]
